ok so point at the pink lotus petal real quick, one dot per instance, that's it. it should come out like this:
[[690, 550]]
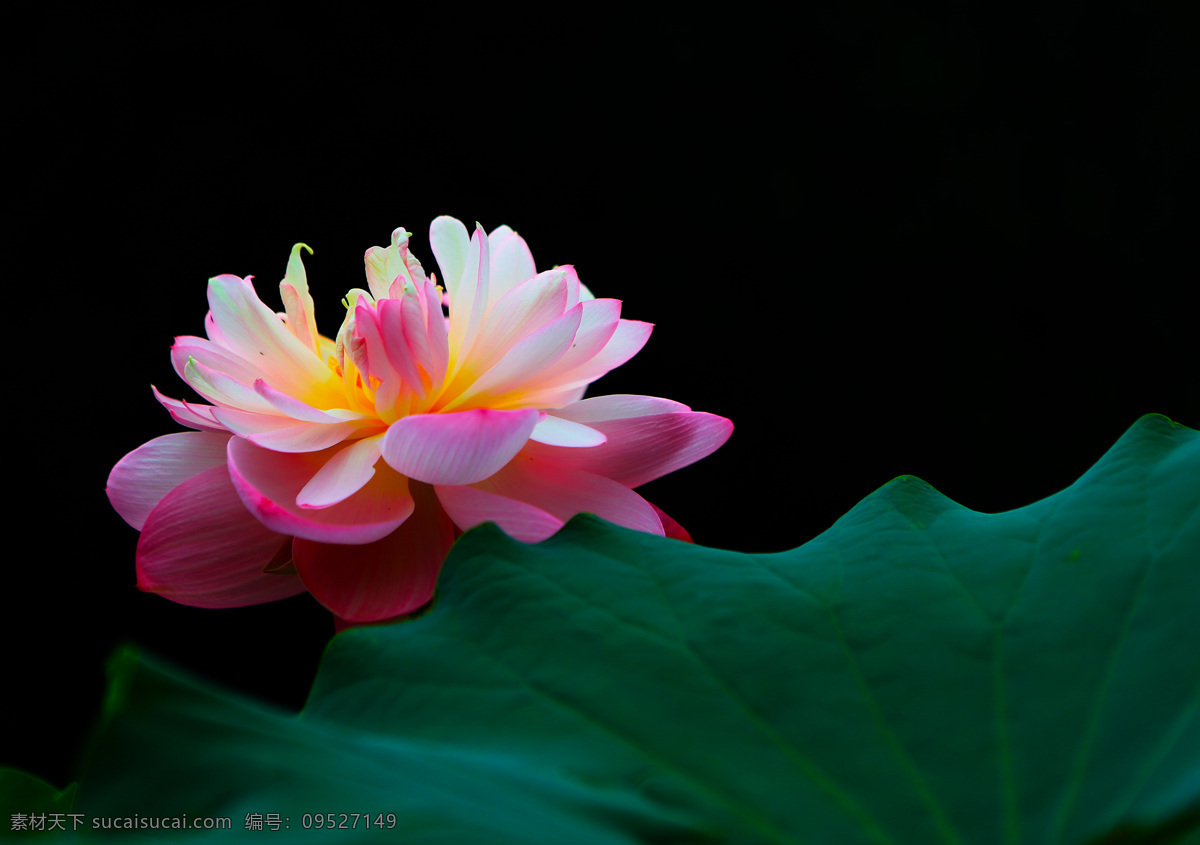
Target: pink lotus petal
[[435, 332], [456, 448], [186, 414], [343, 475], [401, 342], [450, 242], [298, 302], [598, 322], [200, 547], [470, 506], [527, 307], [211, 355], [564, 492], [579, 291], [269, 483], [284, 434], [626, 341], [619, 406], [223, 390], [256, 333], [672, 528], [385, 265], [302, 411], [555, 431], [641, 449], [469, 300], [525, 362], [383, 579], [142, 478], [511, 263]]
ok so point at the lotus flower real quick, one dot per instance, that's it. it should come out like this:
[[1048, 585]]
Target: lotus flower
[[347, 467]]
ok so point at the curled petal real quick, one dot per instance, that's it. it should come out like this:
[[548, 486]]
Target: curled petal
[[224, 390], [257, 334], [386, 578], [270, 482], [302, 411], [470, 506], [343, 475], [284, 434], [639, 448], [387, 264], [200, 547], [456, 448], [564, 492], [142, 478], [211, 355], [298, 302], [189, 415]]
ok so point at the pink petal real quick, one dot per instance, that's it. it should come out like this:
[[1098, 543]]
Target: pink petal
[[302, 411], [211, 355], [619, 406], [672, 528], [200, 547], [579, 291], [564, 492], [284, 434], [469, 300], [270, 482], [527, 307], [450, 242], [401, 342], [224, 390], [598, 324], [383, 579], [343, 475], [526, 361], [511, 263], [187, 414], [256, 333], [627, 340], [439, 342], [470, 506], [142, 478], [298, 302], [456, 448], [385, 264], [643, 448], [555, 431]]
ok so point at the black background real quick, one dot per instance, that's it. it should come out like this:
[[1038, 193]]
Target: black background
[[881, 238]]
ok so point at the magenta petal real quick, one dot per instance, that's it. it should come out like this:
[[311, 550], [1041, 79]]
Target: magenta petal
[[383, 579], [469, 507], [564, 492], [457, 448], [200, 547], [671, 528], [270, 482], [142, 478], [189, 415], [641, 449]]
